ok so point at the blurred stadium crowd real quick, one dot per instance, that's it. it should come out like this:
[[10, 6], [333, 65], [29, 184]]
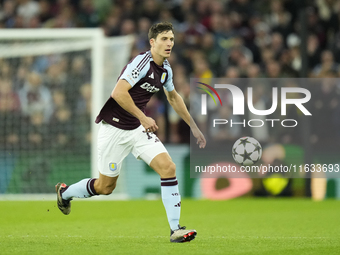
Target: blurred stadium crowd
[[230, 39]]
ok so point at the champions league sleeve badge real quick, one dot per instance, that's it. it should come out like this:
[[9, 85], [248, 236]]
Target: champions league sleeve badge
[[135, 73]]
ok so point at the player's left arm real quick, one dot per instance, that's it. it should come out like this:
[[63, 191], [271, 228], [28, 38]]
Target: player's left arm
[[176, 101]]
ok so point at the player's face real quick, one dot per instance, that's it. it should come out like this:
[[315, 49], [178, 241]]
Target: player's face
[[163, 44]]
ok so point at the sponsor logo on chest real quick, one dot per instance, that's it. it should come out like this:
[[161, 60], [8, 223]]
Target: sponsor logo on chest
[[150, 88]]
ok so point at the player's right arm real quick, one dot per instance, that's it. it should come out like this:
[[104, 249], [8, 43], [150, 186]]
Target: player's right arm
[[121, 95]]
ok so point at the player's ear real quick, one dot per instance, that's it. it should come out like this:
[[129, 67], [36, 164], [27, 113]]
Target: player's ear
[[152, 42]]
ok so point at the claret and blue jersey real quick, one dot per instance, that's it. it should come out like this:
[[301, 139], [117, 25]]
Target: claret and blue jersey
[[145, 78]]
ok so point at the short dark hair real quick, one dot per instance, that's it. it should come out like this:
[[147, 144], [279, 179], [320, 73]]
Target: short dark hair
[[159, 28]]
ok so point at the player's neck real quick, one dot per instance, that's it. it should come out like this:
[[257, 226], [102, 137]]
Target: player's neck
[[157, 58]]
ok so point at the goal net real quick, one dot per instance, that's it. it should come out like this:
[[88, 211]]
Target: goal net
[[53, 83]]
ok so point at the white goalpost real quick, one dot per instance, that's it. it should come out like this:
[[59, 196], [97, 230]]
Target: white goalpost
[[27, 50]]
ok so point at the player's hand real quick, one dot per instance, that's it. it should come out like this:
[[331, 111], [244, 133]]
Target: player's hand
[[149, 124], [200, 137]]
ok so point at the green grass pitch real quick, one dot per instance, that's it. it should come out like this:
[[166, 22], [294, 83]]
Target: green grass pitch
[[240, 226]]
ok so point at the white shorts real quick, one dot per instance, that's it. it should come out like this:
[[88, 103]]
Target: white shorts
[[115, 144]]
